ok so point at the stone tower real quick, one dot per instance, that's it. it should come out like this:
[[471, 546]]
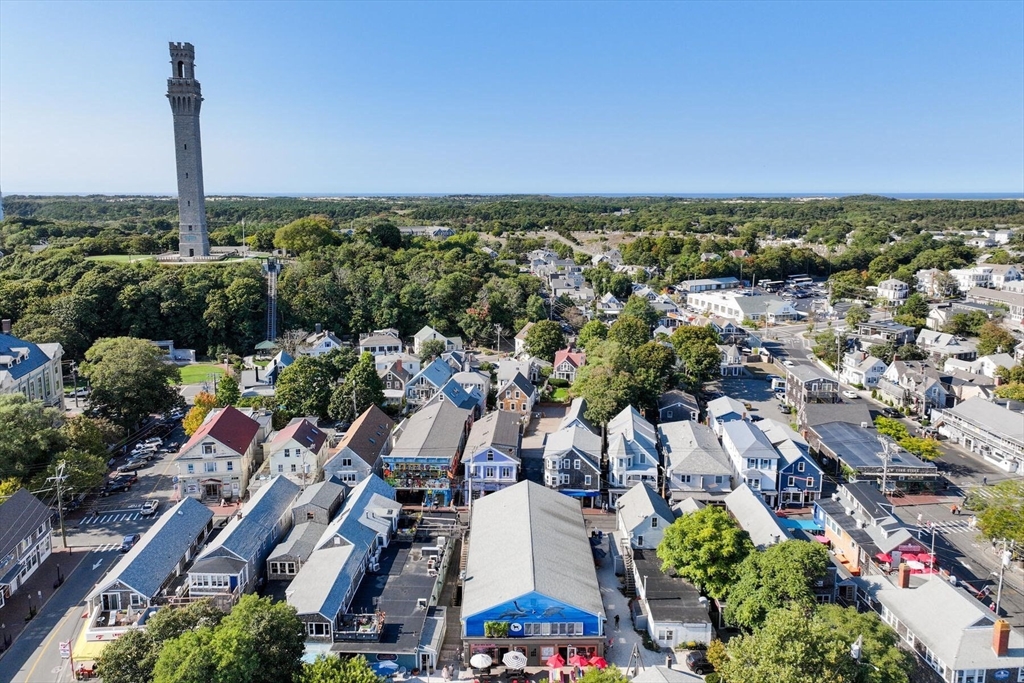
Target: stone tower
[[185, 96]]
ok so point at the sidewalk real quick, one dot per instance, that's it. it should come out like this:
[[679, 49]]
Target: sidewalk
[[36, 591]]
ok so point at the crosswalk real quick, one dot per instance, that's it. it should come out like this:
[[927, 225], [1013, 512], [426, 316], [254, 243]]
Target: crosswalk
[[952, 526], [106, 547], [111, 518]]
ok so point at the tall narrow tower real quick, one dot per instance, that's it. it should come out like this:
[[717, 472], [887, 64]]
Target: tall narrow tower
[[185, 97]]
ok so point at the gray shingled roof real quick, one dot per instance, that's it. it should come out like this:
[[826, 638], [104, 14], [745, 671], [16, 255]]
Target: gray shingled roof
[[637, 505], [299, 542], [244, 537], [434, 431], [20, 515], [321, 495], [498, 430], [529, 538], [755, 517], [692, 448], [155, 557]]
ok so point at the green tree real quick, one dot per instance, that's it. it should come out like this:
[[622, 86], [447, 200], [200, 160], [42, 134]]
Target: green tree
[[640, 307], [336, 670], [128, 659], [431, 349], [29, 435], [856, 315], [305, 387], [259, 641], [594, 332], [705, 548], [994, 338], [544, 339], [827, 345], [780, 576], [536, 309], [130, 380], [171, 623], [605, 389], [305, 234], [701, 360], [610, 674], [1002, 511], [892, 428], [915, 306], [965, 324], [228, 393], [795, 646], [85, 471], [385, 234], [629, 331], [189, 658], [924, 448], [362, 388], [90, 434]]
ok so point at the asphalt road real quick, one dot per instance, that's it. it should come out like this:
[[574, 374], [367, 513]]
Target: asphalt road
[[35, 657]]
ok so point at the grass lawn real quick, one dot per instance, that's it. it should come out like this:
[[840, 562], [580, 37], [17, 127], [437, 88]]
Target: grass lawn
[[198, 373], [120, 258], [560, 395]]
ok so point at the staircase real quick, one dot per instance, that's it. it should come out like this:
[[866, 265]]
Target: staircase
[[271, 269], [627, 563]]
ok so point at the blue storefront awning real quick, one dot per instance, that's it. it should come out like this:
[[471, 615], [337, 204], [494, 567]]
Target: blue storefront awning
[[580, 493]]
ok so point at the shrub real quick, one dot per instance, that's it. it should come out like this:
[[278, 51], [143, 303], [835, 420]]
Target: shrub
[[558, 382]]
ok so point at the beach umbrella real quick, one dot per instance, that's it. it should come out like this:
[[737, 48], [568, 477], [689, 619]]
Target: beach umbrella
[[555, 661], [599, 662], [480, 660], [578, 660], [514, 659], [386, 668]]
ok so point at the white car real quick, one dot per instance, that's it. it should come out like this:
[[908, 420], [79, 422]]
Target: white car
[[850, 394], [788, 363]]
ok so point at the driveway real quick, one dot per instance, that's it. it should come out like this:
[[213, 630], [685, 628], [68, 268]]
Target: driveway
[[536, 436]]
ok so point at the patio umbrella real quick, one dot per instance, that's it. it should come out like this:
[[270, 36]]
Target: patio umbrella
[[514, 659], [555, 661], [599, 662], [387, 667], [883, 557], [909, 557], [480, 660], [579, 660]]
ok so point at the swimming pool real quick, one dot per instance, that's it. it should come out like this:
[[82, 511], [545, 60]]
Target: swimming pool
[[802, 524]]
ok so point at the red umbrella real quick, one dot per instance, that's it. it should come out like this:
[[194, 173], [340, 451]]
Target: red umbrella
[[598, 661], [555, 661], [883, 557], [579, 660], [907, 557]]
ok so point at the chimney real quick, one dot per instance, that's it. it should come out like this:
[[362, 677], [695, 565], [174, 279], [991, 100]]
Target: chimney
[[6, 325], [319, 328], [903, 578], [398, 365], [1001, 637]]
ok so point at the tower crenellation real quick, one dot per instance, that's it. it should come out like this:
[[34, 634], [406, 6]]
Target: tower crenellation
[[185, 97]]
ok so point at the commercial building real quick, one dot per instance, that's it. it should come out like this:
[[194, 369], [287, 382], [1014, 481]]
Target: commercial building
[[990, 430]]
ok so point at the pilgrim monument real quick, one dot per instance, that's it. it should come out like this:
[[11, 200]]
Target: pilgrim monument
[[185, 96]]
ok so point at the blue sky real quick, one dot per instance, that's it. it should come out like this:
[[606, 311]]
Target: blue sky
[[482, 97]]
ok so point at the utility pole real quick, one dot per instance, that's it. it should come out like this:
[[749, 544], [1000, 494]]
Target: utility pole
[[74, 381], [1004, 562], [58, 481], [885, 463], [498, 328]]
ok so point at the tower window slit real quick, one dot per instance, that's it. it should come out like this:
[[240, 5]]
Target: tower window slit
[[181, 69]]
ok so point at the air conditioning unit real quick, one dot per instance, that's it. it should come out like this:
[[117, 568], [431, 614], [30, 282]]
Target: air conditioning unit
[[374, 566]]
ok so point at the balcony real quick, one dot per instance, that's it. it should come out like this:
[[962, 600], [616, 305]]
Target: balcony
[[359, 627]]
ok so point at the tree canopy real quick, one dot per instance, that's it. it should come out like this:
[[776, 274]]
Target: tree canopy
[[705, 548], [1001, 511], [129, 380], [305, 387], [305, 234], [544, 339]]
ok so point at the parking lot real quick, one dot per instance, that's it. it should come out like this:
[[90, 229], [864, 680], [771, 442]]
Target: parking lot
[[757, 391]]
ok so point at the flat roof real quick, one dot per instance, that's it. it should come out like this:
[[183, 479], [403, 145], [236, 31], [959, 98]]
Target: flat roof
[[859, 448], [670, 598]]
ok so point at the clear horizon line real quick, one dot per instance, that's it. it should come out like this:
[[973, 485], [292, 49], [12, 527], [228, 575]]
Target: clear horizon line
[[1011, 194]]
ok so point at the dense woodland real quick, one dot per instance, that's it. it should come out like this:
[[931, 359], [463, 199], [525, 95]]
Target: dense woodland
[[352, 270]]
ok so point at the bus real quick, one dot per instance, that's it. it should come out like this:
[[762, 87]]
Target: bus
[[771, 285], [799, 280]]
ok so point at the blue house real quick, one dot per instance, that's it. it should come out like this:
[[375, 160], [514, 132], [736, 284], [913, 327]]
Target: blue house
[[426, 453], [800, 477], [530, 580], [427, 382], [467, 399], [233, 563], [491, 455]]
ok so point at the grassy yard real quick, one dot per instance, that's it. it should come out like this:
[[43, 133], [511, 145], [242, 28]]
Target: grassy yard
[[198, 373], [560, 395], [120, 258]]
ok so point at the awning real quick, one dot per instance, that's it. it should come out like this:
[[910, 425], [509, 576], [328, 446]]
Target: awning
[[820, 539], [883, 557], [579, 493]]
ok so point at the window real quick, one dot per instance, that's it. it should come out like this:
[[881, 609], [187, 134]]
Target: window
[[685, 478], [208, 449], [316, 628], [346, 462], [586, 480], [566, 464], [766, 464], [506, 472], [751, 463], [489, 472], [576, 464], [209, 467], [553, 629], [792, 481], [563, 479], [294, 467], [800, 466], [668, 414], [191, 468], [640, 541], [810, 481], [273, 568], [287, 452], [280, 469], [490, 456], [654, 522], [719, 479]]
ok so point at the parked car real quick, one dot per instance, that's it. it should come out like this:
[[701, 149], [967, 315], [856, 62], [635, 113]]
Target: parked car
[[130, 466], [129, 542], [129, 477], [850, 394], [698, 663], [890, 412], [150, 507], [788, 363], [115, 486]]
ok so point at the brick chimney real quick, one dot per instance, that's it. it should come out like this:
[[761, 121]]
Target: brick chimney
[[1001, 637], [903, 577], [6, 326]]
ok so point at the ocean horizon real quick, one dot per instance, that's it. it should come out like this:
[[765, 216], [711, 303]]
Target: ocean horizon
[[619, 195]]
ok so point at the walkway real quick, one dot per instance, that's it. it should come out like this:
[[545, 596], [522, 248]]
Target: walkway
[[36, 592]]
